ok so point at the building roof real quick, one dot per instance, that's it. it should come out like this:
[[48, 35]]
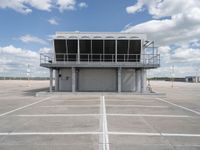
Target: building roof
[[99, 35]]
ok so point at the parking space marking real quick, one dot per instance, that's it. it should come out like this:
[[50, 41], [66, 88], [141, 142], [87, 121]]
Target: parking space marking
[[48, 133], [125, 100], [97, 133], [147, 115], [103, 138], [139, 106], [185, 108], [88, 115], [154, 134], [57, 115], [105, 126], [20, 108], [63, 100], [65, 106]]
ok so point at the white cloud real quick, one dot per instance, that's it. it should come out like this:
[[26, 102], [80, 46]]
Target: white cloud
[[53, 21], [83, 5], [26, 6], [11, 50], [135, 8], [183, 25], [66, 5], [179, 71], [14, 61], [45, 50], [23, 6], [175, 28], [32, 39]]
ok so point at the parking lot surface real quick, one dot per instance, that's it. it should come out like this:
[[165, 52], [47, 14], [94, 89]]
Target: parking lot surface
[[99, 121]]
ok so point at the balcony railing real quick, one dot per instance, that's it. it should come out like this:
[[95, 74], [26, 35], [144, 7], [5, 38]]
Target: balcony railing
[[50, 58]]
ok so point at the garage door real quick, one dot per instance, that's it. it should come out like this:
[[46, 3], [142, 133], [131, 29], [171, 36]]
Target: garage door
[[97, 80], [128, 80]]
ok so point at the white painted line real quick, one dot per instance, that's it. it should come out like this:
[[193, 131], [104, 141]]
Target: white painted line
[[147, 115], [89, 115], [134, 133], [65, 106], [154, 134], [63, 100], [105, 131], [185, 108], [48, 133], [140, 106], [125, 100], [20, 108], [96, 133], [101, 136], [57, 115], [180, 135]]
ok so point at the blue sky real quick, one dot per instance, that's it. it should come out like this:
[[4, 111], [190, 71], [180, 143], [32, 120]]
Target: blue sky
[[27, 26]]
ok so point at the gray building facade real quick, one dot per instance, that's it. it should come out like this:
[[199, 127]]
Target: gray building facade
[[100, 62]]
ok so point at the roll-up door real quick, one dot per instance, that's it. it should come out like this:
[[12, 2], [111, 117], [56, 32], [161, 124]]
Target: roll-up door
[[97, 80]]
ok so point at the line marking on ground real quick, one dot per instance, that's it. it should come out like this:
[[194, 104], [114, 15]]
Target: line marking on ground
[[48, 133], [60, 106], [89, 115], [105, 126], [86, 100], [185, 108], [155, 134], [140, 106], [20, 108], [148, 101], [147, 115], [94, 133], [57, 115], [101, 136]]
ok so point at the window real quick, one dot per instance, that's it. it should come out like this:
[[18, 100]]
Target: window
[[97, 50], [72, 48], [122, 50], [109, 50], [60, 49], [85, 50]]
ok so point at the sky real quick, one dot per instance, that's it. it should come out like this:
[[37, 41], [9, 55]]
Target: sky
[[27, 26]]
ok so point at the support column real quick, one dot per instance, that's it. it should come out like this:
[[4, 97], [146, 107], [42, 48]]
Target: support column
[[78, 57], [119, 77], [57, 80], [51, 80], [73, 79], [115, 50], [143, 80], [138, 80]]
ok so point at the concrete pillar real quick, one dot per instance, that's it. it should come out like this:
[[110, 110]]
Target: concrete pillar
[[73, 79], [143, 80], [115, 50], [138, 80], [51, 80], [134, 80], [78, 53], [119, 77], [57, 80]]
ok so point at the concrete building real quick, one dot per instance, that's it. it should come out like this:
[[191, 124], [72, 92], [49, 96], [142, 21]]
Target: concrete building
[[109, 62], [194, 79]]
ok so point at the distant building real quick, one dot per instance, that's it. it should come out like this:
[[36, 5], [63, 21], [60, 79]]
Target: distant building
[[110, 62], [192, 79]]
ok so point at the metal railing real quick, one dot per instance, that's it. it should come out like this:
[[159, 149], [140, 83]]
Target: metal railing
[[153, 59]]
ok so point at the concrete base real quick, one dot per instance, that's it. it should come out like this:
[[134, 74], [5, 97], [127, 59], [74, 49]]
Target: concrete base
[[41, 94]]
